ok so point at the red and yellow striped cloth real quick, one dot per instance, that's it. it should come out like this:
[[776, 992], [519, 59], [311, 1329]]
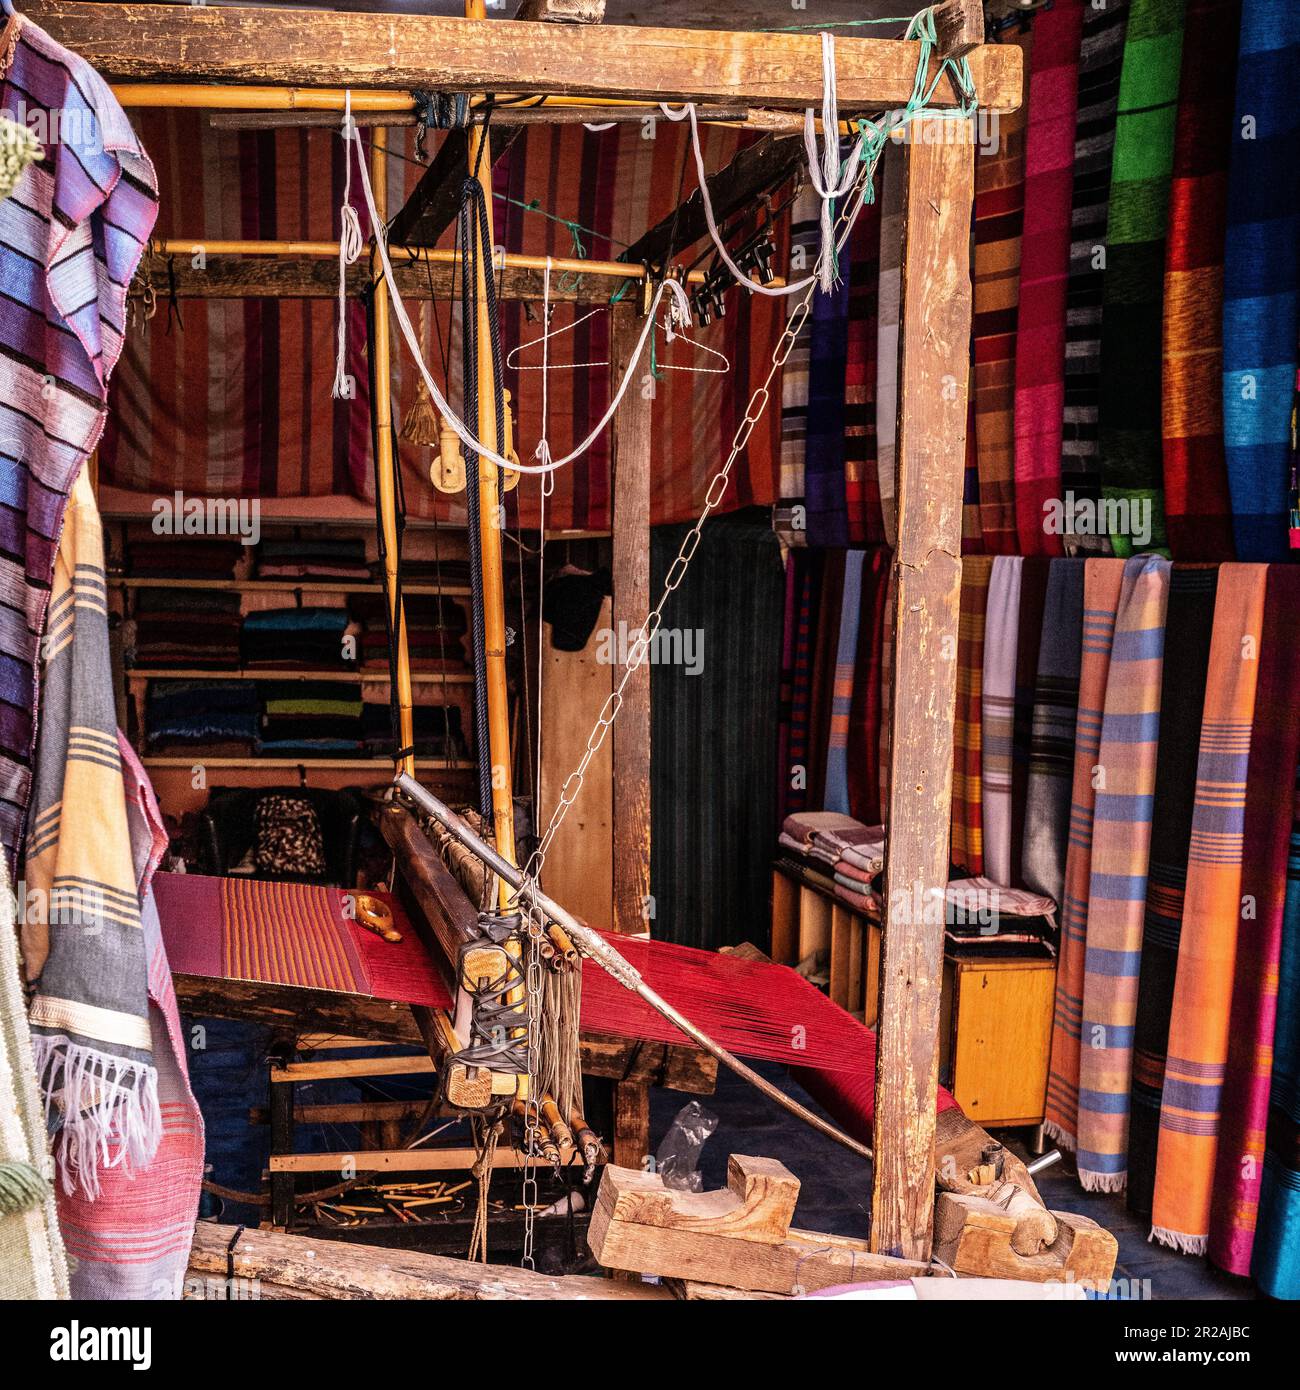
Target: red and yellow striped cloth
[[967, 845]]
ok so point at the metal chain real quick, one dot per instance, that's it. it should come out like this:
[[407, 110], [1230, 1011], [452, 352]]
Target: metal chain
[[533, 984]]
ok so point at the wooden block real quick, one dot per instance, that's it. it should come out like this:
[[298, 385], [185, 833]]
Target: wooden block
[[1082, 1252], [785, 919], [814, 923], [959, 27]]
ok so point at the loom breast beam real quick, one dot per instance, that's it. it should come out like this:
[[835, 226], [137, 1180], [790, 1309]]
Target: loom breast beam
[[594, 946]]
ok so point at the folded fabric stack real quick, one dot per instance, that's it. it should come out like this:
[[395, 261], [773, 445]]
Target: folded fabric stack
[[435, 631], [218, 717], [184, 557], [438, 731], [979, 912], [312, 718], [336, 557], [427, 571], [187, 627], [854, 854], [295, 637]]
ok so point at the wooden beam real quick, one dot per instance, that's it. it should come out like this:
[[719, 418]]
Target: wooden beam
[[959, 27], [630, 467], [433, 53], [755, 169], [435, 200], [934, 341]]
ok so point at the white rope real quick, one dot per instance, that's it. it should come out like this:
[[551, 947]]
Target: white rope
[[831, 184], [351, 244], [543, 452], [680, 313]]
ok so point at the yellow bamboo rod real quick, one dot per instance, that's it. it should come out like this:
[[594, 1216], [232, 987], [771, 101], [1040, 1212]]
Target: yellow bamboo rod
[[386, 463]]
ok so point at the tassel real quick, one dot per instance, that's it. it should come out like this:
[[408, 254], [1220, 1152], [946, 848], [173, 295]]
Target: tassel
[[421, 423], [21, 1188]]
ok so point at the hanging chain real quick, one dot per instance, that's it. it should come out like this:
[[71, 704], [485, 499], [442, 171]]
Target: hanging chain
[[533, 985]]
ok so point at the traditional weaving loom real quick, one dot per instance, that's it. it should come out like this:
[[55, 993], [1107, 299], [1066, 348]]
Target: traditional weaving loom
[[504, 1006]]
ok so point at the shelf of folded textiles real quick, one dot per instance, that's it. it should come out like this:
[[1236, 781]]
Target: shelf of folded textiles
[[360, 764], [287, 585], [351, 674]]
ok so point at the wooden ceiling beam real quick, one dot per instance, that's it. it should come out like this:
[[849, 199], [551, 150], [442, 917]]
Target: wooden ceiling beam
[[206, 43]]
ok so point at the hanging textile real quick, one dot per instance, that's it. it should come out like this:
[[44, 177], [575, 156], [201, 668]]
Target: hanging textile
[[1261, 277], [713, 806], [824, 656], [824, 487], [1117, 885], [32, 1260], [1129, 410], [846, 664], [1198, 510], [893, 188], [1275, 1264], [887, 685], [861, 479], [1274, 749], [1100, 59], [998, 706], [71, 235], [1034, 572], [972, 529], [967, 842], [1101, 590], [1051, 748], [1198, 1027], [133, 1240], [999, 217], [785, 693], [1044, 265], [865, 716], [797, 796], [1188, 624], [805, 234]]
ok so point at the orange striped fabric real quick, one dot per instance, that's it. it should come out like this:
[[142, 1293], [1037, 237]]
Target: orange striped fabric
[[287, 934], [967, 848], [1198, 1029]]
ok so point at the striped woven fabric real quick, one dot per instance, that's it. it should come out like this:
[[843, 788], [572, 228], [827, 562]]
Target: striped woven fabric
[[1129, 418], [804, 233], [1270, 781], [887, 686], [997, 714], [1261, 277], [846, 668], [1188, 624], [1034, 573], [1117, 887], [235, 399], [1101, 589], [892, 188], [972, 527], [1044, 266], [1275, 1264], [824, 489], [825, 652], [1198, 510], [1051, 747], [808, 601], [861, 479], [1100, 58], [785, 694], [967, 841], [1198, 1027], [865, 717], [999, 217], [71, 234]]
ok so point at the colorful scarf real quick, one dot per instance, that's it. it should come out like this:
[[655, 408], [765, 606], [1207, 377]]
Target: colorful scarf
[[1101, 590], [1051, 748], [1198, 1027], [861, 480], [1275, 1264], [824, 492], [1117, 887], [1100, 58], [804, 236], [1034, 573], [1198, 510], [887, 685], [795, 770], [1261, 278], [999, 217], [998, 707], [1274, 749], [71, 235], [865, 716], [967, 844], [893, 188], [1044, 265], [785, 693], [1129, 419], [1188, 624], [846, 665], [825, 652]]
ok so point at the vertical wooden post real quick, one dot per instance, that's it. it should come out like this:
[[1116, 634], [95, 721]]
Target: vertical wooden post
[[630, 467], [934, 346]]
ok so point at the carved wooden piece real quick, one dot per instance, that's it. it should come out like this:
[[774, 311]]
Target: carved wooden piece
[[974, 1237]]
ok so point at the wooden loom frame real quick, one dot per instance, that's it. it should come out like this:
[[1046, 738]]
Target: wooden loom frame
[[778, 72]]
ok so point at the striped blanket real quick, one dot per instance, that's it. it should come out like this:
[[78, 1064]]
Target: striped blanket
[[71, 234], [998, 702], [1117, 889], [1207, 949], [967, 845], [846, 667]]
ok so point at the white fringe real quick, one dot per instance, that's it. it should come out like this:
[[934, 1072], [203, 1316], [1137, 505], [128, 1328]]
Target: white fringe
[[1060, 1136], [1103, 1182], [1176, 1240], [102, 1110]]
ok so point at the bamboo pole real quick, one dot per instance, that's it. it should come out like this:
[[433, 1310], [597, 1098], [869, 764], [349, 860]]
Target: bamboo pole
[[386, 463]]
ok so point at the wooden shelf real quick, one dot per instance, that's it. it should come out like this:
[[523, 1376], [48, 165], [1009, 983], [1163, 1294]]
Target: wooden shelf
[[234, 673], [304, 586], [253, 760]]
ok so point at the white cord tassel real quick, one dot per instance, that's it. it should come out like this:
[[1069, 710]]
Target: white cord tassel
[[829, 186], [351, 244]]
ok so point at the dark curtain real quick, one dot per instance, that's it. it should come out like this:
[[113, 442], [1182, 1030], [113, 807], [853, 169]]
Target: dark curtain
[[713, 754]]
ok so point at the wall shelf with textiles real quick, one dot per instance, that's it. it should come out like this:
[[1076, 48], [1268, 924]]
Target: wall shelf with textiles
[[291, 586], [375, 675]]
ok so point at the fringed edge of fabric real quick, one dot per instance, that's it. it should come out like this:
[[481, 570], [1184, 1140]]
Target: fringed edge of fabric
[[1059, 1135], [1103, 1182], [22, 1188], [102, 1111], [1176, 1240]]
